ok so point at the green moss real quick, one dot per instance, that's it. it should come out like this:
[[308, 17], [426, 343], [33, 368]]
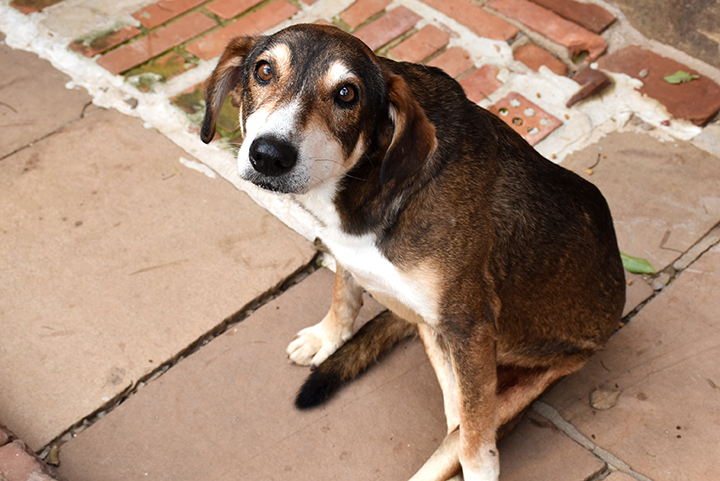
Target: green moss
[[98, 40], [191, 102], [144, 82], [160, 68]]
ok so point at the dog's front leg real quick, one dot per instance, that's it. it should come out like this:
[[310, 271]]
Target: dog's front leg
[[474, 360], [316, 343], [436, 350]]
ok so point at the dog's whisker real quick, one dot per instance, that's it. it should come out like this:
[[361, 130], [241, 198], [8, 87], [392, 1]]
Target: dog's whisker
[[353, 177], [369, 159], [318, 159], [346, 174]]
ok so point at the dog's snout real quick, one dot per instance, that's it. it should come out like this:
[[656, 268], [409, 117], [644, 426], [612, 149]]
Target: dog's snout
[[272, 156]]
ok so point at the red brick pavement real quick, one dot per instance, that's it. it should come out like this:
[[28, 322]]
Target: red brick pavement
[[254, 23], [421, 45], [106, 42], [553, 27], [525, 117], [454, 61], [164, 10], [588, 15], [18, 463], [389, 26], [191, 25], [475, 18], [228, 9], [697, 100], [157, 42], [361, 11], [481, 83], [535, 56]]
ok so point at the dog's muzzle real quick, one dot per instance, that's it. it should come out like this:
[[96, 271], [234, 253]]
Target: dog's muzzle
[[272, 156]]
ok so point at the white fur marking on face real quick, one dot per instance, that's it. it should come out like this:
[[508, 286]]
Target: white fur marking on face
[[281, 56], [279, 122], [336, 74]]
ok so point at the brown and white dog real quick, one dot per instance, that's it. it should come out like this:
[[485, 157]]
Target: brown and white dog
[[505, 264]]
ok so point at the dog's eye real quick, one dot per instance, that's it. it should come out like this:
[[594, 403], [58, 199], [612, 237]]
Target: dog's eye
[[346, 95], [263, 72]]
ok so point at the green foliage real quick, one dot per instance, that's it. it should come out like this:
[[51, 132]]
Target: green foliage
[[680, 77], [636, 265]]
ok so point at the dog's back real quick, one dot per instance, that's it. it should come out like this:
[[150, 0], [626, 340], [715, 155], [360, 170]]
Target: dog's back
[[553, 255]]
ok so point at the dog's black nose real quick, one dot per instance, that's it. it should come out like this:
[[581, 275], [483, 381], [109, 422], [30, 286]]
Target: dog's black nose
[[272, 156]]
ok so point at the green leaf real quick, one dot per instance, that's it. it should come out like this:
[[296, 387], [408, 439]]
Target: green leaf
[[680, 77], [636, 265]]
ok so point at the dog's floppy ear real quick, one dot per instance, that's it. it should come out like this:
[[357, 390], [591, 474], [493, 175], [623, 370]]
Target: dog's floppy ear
[[223, 80], [413, 139]]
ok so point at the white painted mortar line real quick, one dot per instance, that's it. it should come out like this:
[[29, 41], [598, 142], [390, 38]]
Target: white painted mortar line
[[615, 463]]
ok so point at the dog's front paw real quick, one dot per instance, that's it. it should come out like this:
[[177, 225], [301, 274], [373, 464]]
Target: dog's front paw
[[316, 343]]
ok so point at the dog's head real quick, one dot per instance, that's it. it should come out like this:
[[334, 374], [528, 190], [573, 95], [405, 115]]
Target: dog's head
[[313, 101]]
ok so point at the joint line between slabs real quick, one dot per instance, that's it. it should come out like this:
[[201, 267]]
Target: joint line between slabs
[[552, 415]]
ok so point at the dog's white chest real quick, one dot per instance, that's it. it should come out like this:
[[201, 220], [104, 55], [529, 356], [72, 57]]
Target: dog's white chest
[[410, 293]]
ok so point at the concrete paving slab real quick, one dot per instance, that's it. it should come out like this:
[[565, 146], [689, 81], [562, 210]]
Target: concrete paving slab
[[664, 196], [115, 258], [709, 139], [637, 291], [666, 420], [226, 413], [33, 99], [234, 399], [385, 435], [537, 450]]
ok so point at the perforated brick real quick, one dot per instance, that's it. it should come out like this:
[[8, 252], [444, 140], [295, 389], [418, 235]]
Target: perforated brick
[[526, 118]]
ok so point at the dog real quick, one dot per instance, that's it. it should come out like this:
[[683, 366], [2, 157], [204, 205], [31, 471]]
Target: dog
[[504, 263]]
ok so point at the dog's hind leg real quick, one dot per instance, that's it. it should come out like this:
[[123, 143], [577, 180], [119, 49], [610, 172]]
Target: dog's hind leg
[[520, 386], [444, 464], [316, 343]]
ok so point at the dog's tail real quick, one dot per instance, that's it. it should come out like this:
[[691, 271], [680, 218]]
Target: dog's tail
[[353, 358]]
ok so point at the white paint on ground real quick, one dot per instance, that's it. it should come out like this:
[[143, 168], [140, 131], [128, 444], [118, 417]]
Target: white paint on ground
[[194, 165]]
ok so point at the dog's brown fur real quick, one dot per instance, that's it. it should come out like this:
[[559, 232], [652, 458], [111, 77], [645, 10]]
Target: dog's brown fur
[[515, 257]]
